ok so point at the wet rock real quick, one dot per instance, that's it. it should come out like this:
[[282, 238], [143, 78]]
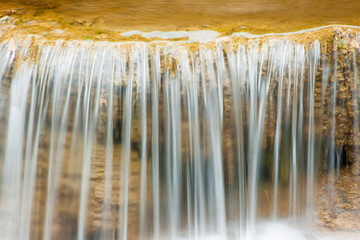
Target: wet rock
[[58, 31], [89, 21], [83, 22], [5, 19], [16, 11], [31, 22], [131, 33], [336, 158]]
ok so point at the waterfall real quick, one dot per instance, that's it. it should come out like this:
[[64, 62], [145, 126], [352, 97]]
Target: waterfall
[[161, 141]]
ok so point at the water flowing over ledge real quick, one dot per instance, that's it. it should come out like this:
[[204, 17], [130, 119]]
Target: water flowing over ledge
[[172, 141]]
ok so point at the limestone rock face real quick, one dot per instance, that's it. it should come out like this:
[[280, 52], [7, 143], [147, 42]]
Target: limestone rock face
[[135, 140]]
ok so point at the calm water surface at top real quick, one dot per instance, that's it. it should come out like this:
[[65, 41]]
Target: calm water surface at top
[[226, 15]]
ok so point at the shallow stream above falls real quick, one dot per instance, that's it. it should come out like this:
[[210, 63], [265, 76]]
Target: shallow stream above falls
[[131, 135], [255, 16]]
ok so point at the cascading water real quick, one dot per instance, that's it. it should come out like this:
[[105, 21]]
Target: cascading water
[[141, 141]]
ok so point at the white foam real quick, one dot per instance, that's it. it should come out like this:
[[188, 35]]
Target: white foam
[[205, 36], [166, 35], [193, 36], [282, 230], [279, 231], [131, 33], [340, 236]]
